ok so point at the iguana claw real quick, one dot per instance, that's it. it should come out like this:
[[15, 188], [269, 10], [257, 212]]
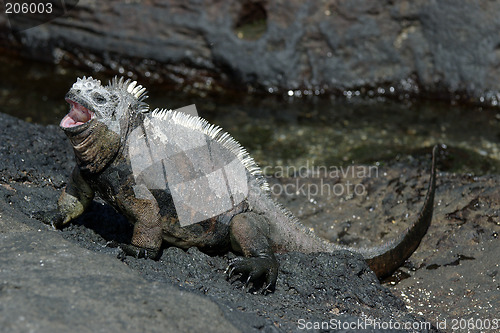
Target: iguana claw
[[52, 217], [253, 269], [139, 252]]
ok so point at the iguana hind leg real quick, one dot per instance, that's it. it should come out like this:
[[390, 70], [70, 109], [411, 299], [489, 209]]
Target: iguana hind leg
[[249, 235]]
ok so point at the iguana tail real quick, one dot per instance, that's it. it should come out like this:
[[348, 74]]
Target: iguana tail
[[286, 233], [385, 259]]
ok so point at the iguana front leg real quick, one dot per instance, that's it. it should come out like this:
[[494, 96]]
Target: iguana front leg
[[144, 213], [73, 201], [249, 235], [141, 246]]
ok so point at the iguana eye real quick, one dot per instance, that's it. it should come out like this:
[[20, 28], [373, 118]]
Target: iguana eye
[[98, 98]]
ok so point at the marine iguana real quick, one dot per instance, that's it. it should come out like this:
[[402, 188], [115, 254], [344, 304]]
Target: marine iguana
[[144, 162]]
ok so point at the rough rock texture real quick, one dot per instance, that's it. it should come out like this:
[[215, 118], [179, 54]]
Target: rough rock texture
[[56, 280], [49, 284], [444, 48]]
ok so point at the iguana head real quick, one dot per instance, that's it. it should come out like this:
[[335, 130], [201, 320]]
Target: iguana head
[[92, 102], [100, 117]]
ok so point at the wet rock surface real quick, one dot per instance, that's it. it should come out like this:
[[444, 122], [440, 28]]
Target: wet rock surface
[[443, 49], [53, 280]]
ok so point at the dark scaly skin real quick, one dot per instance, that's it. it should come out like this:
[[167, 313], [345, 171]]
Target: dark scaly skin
[[385, 260], [256, 227]]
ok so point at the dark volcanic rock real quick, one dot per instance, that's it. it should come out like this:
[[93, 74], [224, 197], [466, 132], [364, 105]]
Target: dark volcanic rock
[[51, 285], [440, 48], [57, 280]]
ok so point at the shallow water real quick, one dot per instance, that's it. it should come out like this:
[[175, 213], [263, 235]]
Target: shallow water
[[293, 131]]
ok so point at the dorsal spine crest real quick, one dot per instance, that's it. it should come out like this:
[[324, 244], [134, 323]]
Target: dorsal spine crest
[[129, 86], [217, 134]]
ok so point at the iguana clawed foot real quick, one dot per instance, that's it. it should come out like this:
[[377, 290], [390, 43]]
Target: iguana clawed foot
[[255, 268], [52, 217], [136, 251]]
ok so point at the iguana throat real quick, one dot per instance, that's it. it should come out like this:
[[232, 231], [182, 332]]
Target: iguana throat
[[94, 145]]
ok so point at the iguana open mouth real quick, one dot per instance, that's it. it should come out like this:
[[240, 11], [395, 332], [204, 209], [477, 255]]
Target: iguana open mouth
[[77, 115]]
